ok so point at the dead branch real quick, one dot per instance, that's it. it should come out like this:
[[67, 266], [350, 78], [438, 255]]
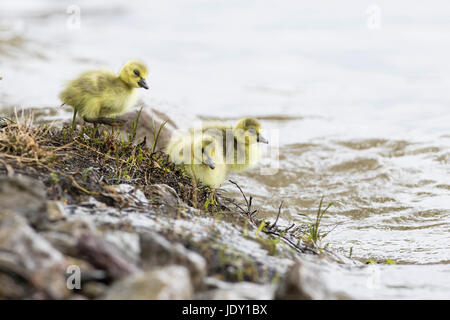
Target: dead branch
[[283, 234], [278, 215]]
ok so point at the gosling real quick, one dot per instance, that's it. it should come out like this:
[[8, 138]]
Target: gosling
[[239, 144], [99, 96], [199, 157]]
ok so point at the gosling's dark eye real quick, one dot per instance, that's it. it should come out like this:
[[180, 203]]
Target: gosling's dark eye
[[136, 72], [203, 150]]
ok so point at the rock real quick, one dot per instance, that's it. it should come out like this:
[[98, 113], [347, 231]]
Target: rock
[[105, 256], [63, 242], [116, 252], [15, 279], [220, 290], [55, 211], [76, 297], [168, 283], [303, 282], [162, 194], [157, 251], [24, 196], [93, 290], [64, 235], [74, 227], [140, 197], [122, 188], [51, 281], [291, 286], [91, 202], [28, 255], [145, 127], [12, 288], [33, 251], [125, 195], [127, 243]]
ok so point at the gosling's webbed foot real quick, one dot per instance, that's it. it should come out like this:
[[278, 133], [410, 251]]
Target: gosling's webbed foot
[[107, 121]]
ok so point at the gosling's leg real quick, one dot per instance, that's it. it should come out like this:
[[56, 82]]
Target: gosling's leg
[[74, 118], [96, 130]]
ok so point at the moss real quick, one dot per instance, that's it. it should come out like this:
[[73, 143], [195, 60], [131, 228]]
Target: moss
[[386, 261], [389, 261]]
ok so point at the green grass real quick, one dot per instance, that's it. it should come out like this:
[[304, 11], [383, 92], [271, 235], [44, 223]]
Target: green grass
[[316, 234], [156, 133], [134, 125]]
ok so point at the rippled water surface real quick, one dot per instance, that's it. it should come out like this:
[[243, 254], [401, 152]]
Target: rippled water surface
[[359, 115]]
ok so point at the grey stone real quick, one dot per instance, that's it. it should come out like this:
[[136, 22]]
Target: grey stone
[[24, 196], [168, 283], [75, 227], [93, 290], [64, 235], [221, 290], [127, 243], [164, 195], [27, 254], [293, 285], [157, 251], [18, 237], [147, 121], [105, 256], [55, 211], [65, 243], [11, 287]]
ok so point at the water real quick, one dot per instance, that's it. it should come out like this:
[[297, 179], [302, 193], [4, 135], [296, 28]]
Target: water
[[360, 106]]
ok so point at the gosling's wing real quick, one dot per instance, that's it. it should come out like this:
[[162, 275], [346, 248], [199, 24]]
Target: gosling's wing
[[87, 86], [95, 82]]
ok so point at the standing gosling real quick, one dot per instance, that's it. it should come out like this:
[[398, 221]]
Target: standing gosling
[[239, 143], [199, 157], [100, 95]]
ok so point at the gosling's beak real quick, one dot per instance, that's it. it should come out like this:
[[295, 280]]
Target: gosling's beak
[[142, 83], [261, 139], [209, 162]]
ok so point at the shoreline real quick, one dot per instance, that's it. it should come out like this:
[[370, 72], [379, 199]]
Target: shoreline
[[124, 215]]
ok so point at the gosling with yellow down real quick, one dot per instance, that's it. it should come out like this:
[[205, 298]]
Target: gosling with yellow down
[[199, 157], [239, 143], [101, 95]]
